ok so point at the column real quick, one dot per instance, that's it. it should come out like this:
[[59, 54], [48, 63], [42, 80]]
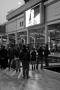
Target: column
[[41, 13], [27, 37], [46, 34], [7, 39], [16, 41], [34, 42]]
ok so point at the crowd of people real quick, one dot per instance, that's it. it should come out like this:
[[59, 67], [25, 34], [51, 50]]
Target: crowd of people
[[12, 56]]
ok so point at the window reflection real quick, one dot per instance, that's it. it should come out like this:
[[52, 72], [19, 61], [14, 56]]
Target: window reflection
[[54, 40]]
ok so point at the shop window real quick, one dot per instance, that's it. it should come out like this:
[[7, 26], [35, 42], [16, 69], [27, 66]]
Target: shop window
[[54, 41], [20, 24]]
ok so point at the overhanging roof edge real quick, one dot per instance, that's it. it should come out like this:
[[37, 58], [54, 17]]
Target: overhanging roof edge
[[22, 9]]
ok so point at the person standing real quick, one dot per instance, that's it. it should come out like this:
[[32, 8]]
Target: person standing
[[10, 55], [46, 53], [25, 58], [16, 59], [40, 56], [33, 58], [4, 57]]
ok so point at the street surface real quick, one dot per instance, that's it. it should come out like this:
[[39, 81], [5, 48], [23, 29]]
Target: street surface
[[39, 80]]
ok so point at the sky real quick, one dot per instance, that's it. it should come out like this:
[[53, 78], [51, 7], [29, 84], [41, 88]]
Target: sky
[[6, 6]]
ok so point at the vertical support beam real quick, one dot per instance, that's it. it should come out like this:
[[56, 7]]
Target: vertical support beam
[[16, 42], [7, 39], [41, 13], [46, 34], [34, 42], [27, 37]]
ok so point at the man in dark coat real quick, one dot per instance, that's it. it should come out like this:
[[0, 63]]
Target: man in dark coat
[[46, 53], [4, 57], [40, 55], [25, 57], [33, 58], [10, 55], [16, 59]]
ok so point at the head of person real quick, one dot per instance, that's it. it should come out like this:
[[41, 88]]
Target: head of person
[[24, 48], [33, 49]]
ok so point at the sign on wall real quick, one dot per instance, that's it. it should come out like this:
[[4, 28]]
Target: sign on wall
[[33, 16]]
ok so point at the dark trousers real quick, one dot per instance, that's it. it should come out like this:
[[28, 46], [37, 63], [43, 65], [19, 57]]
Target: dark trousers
[[33, 65], [37, 62], [4, 63], [46, 62], [41, 59], [9, 63], [25, 70]]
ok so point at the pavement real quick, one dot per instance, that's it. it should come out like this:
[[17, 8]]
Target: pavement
[[39, 80]]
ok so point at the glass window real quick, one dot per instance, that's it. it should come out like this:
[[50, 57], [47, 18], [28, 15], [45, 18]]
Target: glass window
[[54, 41], [20, 24]]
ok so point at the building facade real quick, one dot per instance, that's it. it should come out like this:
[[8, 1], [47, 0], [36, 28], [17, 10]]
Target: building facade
[[25, 24], [3, 36], [35, 23], [15, 29], [52, 22]]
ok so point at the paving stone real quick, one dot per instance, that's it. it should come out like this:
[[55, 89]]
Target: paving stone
[[39, 80]]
